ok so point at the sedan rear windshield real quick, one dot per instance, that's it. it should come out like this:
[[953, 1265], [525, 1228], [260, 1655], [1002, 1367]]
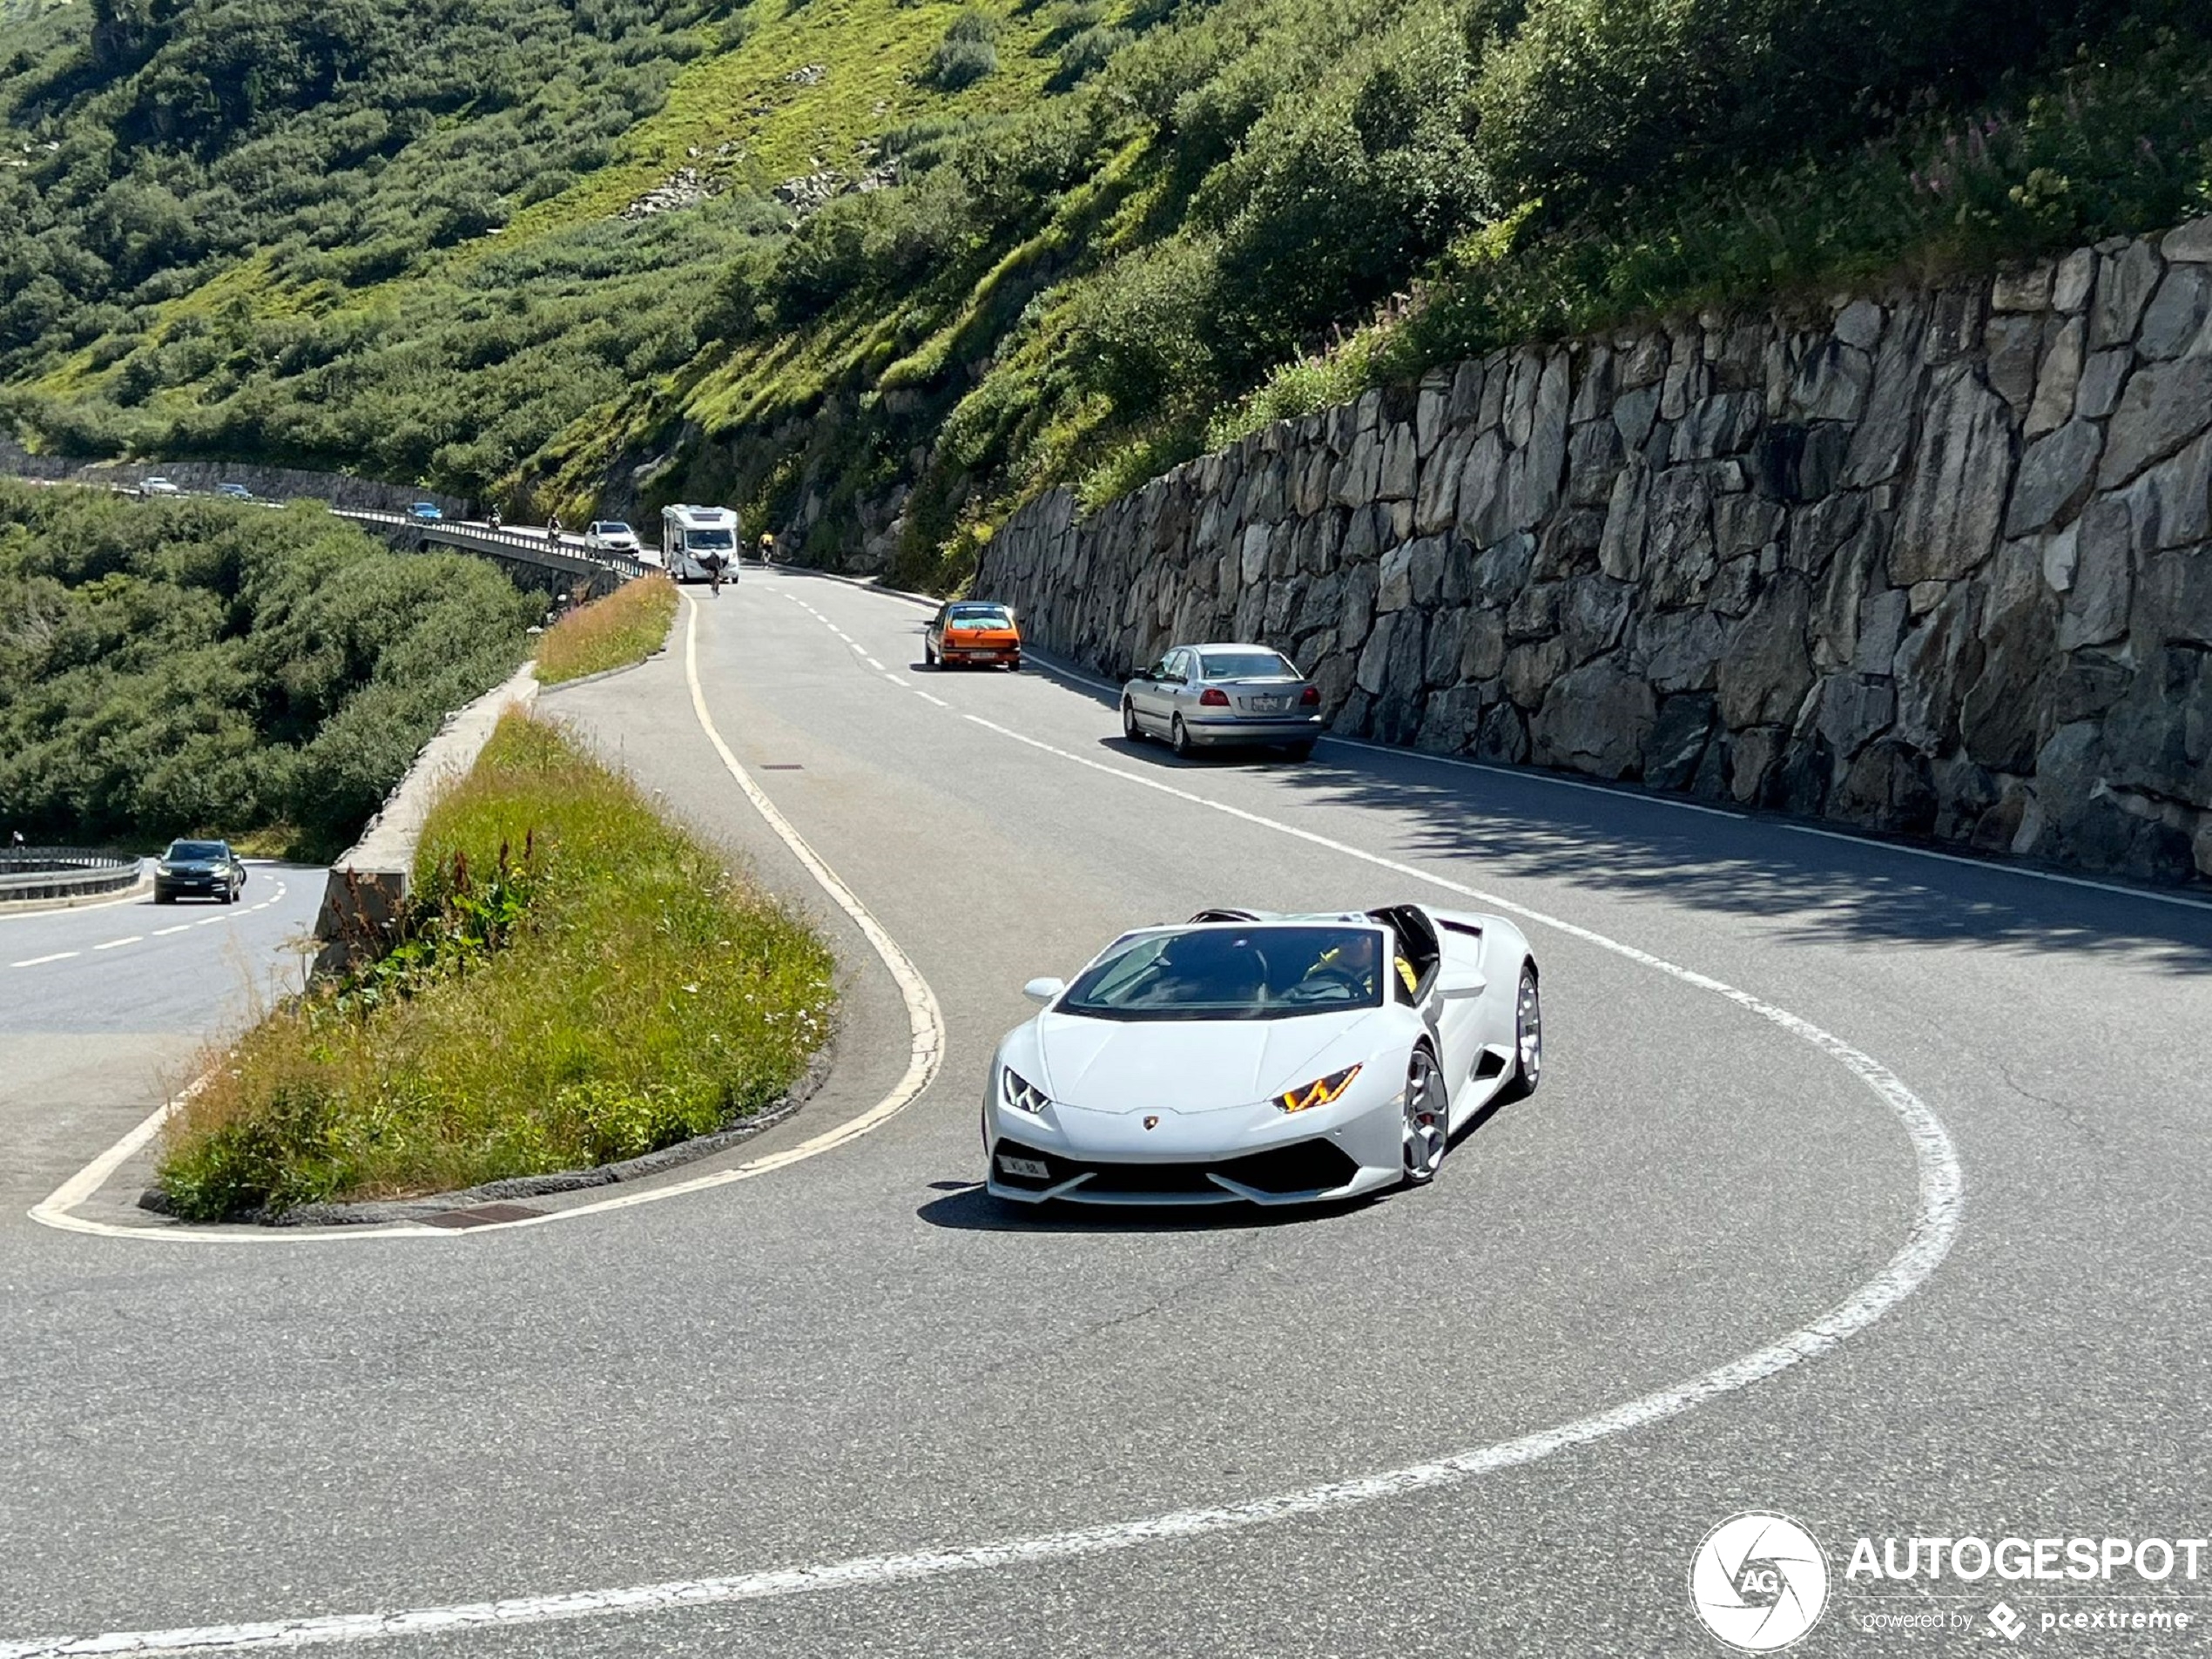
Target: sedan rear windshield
[[197, 850], [1233, 974], [1245, 665], [984, 616]]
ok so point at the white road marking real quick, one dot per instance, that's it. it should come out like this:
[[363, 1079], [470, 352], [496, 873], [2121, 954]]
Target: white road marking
[[116, 944], [1935, 1226], [164, 933], [925, 1025], [40, 962]]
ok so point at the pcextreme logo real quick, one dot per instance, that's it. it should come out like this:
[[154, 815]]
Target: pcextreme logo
[[1759, 1581]]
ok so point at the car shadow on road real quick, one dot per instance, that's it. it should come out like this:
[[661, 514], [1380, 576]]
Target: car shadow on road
[[973, 1210]]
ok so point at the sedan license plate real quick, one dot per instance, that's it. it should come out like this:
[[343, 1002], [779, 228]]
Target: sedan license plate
[[1269, 704], [1028, 1168]]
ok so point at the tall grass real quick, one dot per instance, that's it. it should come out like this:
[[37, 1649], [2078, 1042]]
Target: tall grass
[[627, 626], [581, 983]]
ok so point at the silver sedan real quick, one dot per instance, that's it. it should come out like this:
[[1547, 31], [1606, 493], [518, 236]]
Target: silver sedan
[[1214, 696]]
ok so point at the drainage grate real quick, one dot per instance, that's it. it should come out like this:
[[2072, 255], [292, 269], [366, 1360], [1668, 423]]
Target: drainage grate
[[483, 1214]]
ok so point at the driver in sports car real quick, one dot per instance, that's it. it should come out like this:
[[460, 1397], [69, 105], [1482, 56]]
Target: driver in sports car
[[1332, 958]]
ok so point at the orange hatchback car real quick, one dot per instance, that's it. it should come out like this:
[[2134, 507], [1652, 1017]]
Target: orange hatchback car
[[971, 630]]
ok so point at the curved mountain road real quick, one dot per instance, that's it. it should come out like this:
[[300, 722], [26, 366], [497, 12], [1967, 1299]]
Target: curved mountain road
[[859, 1358]]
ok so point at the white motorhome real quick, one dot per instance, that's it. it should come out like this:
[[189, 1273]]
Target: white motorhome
[[691, 536]]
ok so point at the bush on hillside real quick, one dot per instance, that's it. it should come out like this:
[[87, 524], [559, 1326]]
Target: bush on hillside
[[968, 52], [172, 668]]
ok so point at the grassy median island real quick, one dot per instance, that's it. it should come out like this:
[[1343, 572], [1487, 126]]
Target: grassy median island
[[627, 626], [578, 982]]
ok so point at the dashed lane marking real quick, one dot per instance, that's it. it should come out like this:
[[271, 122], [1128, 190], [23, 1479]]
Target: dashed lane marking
[[40, 962]]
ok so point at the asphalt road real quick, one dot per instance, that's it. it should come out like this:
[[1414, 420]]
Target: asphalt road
[[859, 1357], [103, 1008]]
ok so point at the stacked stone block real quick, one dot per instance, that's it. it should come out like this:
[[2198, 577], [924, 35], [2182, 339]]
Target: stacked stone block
[[1941, 565]]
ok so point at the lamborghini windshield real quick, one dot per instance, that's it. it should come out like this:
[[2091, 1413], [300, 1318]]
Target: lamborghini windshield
[[1233, 974]]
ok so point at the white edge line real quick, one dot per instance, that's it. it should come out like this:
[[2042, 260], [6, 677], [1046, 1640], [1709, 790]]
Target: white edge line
[[925, 1025], [1935, 1226]]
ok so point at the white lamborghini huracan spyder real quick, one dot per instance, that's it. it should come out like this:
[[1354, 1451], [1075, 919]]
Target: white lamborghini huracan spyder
[[1273, 1058]]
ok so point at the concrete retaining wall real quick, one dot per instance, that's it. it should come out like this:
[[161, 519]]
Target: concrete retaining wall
[[1937, 561], [368, 886]]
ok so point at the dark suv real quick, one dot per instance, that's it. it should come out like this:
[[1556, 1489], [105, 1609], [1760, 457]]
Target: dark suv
[[203, 869]]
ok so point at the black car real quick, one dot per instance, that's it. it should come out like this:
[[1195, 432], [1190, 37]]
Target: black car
[[202, 869]]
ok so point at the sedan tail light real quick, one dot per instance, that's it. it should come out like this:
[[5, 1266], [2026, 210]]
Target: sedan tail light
[[1213, 698], [1310, 697]]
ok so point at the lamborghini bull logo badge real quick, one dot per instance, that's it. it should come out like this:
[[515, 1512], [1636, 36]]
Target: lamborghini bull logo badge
[[1151, 1123]]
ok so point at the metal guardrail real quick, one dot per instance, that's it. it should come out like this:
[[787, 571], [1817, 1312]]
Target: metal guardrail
[[569, 553], [63, 872]]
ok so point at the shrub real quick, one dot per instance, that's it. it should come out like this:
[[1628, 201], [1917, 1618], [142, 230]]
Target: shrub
[[968, 52]]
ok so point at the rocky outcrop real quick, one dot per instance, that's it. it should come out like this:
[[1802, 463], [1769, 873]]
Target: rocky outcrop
[[1940, 563]]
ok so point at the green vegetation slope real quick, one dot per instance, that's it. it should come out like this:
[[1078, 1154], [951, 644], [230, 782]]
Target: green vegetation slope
[[836, 259], [195, 666]]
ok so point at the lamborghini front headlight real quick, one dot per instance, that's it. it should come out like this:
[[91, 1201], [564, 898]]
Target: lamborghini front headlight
[[1019, 1092], [1320, 1092]]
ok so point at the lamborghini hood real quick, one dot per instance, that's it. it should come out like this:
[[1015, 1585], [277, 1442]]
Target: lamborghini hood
[[1189, 1065]]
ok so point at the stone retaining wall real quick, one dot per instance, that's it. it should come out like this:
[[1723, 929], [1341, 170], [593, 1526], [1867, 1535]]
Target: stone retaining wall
[[1938, 564]]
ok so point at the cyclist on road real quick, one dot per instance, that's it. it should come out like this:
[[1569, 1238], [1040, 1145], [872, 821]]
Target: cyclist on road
[[767, 548], [553, 530]]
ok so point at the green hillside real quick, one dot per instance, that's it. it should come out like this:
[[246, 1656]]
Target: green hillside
[[808, 256]]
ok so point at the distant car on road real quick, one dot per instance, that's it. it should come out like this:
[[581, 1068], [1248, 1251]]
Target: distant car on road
[[1214, 696], [234, 492], [1275, 1059], [609, 535], [198, 869], [971, 630], [425, 509], [157, 487]]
